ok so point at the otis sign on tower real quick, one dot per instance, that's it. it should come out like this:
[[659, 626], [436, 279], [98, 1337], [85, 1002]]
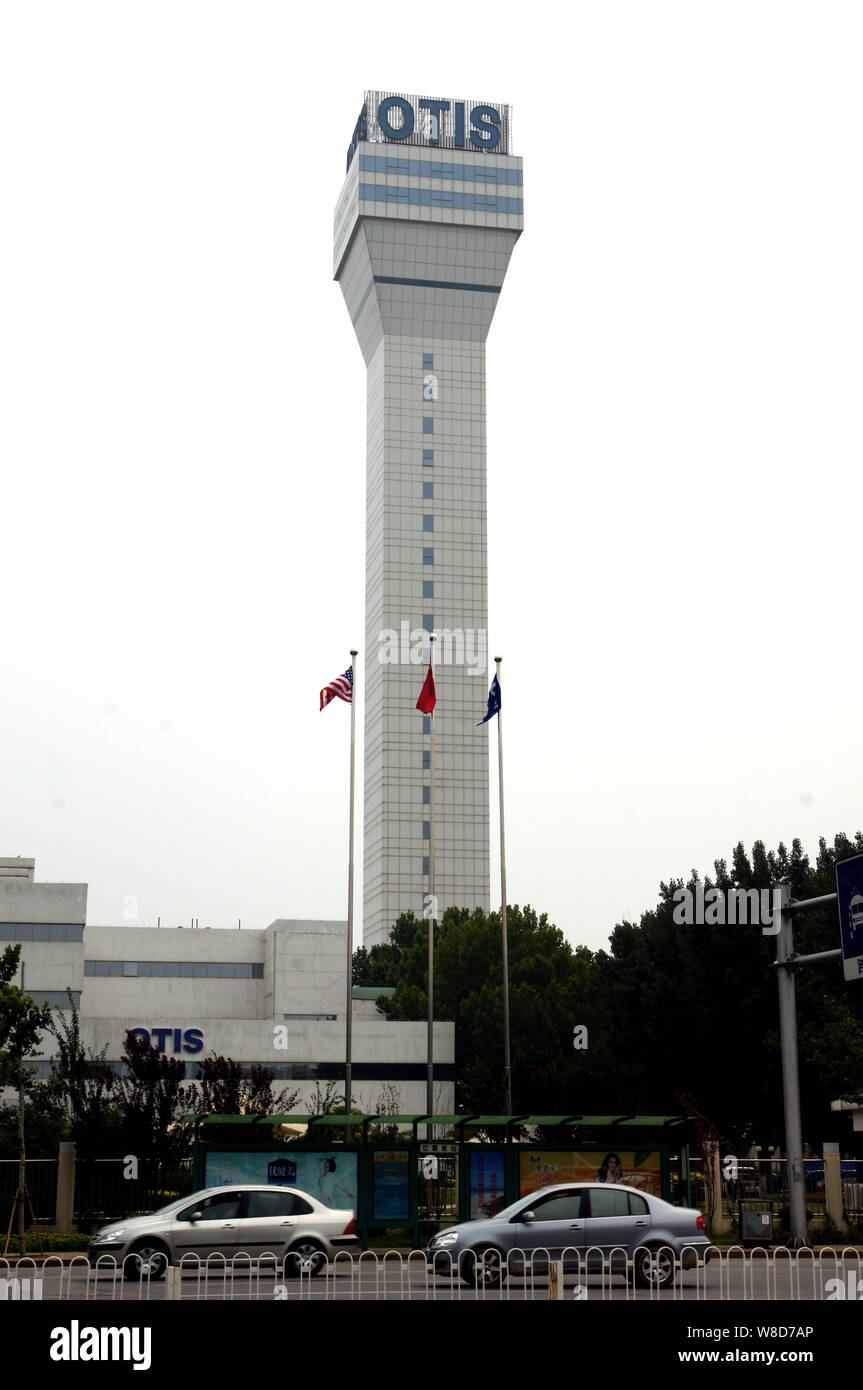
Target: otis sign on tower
[[439, 122]]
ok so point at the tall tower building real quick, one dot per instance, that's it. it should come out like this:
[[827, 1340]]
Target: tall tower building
[[430, 211]]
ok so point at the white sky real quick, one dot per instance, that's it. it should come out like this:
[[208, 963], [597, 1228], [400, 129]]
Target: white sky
[[674, 442]]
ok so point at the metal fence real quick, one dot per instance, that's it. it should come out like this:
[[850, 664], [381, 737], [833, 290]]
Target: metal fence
[[731, 1274], [766, 1180], [40, 1177], [110, 1189]]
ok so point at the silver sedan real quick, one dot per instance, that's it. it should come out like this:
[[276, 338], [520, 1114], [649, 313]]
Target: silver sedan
[[590, 1226], [230, 1221]]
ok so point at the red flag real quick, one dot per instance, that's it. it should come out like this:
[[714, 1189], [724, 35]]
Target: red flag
[[427, 699]]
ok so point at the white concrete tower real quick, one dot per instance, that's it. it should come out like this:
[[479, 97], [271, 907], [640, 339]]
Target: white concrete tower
[[424, 228]]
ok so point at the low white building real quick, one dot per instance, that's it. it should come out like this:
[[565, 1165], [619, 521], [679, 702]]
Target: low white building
[[274, 997]]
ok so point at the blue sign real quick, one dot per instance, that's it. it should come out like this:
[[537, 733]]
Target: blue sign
[[182, 1039], [849, 896], [433, 121], [282, 1172]]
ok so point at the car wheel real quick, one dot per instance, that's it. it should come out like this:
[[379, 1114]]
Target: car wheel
[[148, 1258], [483, 1268], [306, 1257], [654, 1267]]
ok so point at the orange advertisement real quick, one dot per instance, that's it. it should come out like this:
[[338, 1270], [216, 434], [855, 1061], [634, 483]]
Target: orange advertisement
[[545, 1167]]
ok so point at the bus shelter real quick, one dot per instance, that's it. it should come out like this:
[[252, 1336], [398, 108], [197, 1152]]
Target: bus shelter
[[468, 1166]]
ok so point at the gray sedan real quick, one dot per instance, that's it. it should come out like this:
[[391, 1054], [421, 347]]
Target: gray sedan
[[230, 1221], [590, 1226]]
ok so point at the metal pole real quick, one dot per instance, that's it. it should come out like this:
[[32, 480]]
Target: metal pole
[[790, 1076], [22, 1155], [349, 1006], [800, 905], [817, 957], [431, 912], [507, 1072]]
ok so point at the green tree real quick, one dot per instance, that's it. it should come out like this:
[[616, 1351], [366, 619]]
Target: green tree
[[670, 1010], [694, 1009], [22, 1023], [153, 1102], [226, 1089], [84, 1085], [548, 998]]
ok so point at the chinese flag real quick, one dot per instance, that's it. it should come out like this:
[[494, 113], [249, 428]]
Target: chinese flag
[[427, 699]]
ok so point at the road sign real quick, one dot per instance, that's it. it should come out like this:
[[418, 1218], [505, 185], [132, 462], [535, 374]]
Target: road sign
[[849, 897]]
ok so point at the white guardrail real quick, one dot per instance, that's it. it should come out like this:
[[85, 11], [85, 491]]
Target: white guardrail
[[731, 1273]]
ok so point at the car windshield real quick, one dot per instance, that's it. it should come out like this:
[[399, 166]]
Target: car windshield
[[181, 1202], [505, 1212], [511, 1210]]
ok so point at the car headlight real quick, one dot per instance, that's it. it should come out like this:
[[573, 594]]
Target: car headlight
[[104, 1236], [447, 1238]]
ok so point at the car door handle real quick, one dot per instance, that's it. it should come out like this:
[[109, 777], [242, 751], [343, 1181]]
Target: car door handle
[[287, 1223], [229, 1225], [575, 1226], [639, 1223]]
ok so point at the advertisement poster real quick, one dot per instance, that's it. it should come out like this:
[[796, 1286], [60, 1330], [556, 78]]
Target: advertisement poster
[[331, 1177], [391, 1197], [544, 1167], [486, 1182]]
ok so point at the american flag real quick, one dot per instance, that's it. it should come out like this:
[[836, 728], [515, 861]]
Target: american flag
[[342, 688]]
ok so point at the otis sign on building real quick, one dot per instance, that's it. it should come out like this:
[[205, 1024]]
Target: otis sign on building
[[436, 121]]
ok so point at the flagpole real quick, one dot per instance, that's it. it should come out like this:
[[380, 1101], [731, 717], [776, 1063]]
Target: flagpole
[[349, 1009], [432, 913], [507, 1063]]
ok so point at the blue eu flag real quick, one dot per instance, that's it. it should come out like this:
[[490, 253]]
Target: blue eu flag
[[493, 701]]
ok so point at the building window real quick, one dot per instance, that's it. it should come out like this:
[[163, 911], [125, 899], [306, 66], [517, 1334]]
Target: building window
[[428, 425], [426, 796], [428, 489], [40, 931], [426, 865], [428, 458], [176, 969], [56, 998], [428, 522], [428, 361], [426, 830], [428, 559], [428, 588], [428, 622], [426, 723], [426, 758]]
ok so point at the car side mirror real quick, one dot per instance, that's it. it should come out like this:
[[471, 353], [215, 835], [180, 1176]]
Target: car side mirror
[[197, 1216], [528, 1217]]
